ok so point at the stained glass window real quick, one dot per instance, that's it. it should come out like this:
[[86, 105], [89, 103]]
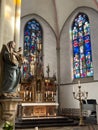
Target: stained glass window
[[81, 42], [32, 49]]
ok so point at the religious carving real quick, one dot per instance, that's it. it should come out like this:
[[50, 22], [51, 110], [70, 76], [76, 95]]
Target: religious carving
[[13, 61]]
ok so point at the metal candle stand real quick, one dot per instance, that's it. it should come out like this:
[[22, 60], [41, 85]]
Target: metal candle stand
[[80, 95]]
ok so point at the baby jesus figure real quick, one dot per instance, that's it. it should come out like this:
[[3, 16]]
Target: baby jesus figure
[[20, 56]]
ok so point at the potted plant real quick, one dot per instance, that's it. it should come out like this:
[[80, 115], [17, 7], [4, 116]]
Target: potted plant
[[8, 126]]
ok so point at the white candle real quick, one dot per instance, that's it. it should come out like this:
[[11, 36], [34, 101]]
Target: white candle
[[40, 46], [52, 93], [78, 82], [18, 89], [30, 95], [73, 89], [27, 93], [46, 94]]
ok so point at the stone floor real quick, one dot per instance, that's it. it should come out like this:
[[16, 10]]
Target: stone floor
[[88, 127]]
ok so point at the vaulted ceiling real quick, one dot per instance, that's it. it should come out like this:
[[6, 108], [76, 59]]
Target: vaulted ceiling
[[55, 10]]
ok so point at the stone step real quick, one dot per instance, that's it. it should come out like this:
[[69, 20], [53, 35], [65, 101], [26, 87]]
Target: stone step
[[45, 122]]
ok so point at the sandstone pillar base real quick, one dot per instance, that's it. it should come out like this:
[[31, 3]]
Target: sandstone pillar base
[[8, 110]]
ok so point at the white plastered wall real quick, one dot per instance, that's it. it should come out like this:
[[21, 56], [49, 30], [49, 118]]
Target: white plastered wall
[[45, 9], [66, 64]]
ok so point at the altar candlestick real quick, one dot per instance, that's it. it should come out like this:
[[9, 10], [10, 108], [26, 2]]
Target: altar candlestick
[[80, 95]]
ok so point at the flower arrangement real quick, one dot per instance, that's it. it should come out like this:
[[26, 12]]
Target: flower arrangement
[[8, 126]]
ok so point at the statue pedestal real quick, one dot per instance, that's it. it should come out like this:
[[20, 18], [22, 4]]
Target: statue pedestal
[[8, 109]]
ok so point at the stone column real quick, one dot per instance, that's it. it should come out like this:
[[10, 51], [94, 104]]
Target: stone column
[[17, 22]]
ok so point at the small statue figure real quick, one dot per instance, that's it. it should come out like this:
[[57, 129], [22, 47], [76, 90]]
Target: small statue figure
[[48, 70], [54, 76], [20, 57]]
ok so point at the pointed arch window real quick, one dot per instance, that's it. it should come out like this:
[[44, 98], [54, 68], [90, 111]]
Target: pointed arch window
[[82, 51], [33, 37]]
